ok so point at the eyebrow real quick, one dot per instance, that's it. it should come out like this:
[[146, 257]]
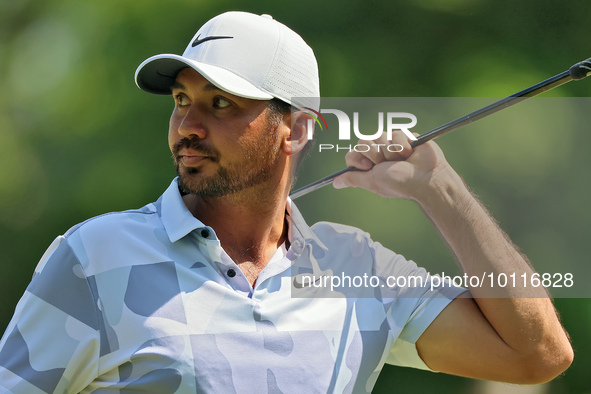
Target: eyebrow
[[208, 87]]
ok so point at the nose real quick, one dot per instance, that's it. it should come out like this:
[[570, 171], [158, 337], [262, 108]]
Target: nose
[[191, 123]]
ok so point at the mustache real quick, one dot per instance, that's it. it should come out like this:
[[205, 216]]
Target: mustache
[[196, 145]]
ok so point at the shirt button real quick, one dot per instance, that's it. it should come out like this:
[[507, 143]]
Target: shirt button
[[205, 233], [231, 273]]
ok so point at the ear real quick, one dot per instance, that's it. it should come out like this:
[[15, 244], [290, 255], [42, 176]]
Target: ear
[[298, 135]]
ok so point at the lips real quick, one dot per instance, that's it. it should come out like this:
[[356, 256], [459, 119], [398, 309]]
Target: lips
[[192, 161], [192, 152], [191, 158]]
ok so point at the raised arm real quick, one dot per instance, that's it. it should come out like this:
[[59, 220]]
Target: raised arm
[[514, 336]]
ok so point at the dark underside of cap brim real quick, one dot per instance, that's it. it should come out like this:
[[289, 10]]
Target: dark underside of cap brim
[[159, 75]]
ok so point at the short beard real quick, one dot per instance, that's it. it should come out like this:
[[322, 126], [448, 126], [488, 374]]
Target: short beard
[[221, 184], [257, 167]]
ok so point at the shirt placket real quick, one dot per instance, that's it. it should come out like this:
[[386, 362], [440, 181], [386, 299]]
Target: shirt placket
[[221, 261]]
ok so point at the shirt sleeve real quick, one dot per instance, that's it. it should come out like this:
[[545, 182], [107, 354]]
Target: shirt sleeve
[[52, 343], [416, 299]]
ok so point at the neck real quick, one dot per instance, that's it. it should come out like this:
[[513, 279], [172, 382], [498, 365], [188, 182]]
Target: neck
[[250, 224]]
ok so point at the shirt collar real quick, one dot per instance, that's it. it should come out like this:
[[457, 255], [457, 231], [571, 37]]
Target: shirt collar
[[176, 217], [178, 220], [298, 228]]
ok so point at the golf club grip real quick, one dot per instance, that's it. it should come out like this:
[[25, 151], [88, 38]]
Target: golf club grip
[[429, 135], [576, 72]]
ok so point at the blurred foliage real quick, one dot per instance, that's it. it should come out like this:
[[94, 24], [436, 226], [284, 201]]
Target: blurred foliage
[[77, 138]]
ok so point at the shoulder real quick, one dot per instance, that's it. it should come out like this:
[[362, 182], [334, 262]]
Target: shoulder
[[336, 231], [116, 239], [112, 224], [336, 235], [339, 239], [355, 245]]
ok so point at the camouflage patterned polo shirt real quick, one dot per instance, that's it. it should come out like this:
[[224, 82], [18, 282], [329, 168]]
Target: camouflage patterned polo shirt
[[147, 301]]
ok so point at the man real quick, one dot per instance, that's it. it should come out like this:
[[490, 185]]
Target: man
[[193, 293]]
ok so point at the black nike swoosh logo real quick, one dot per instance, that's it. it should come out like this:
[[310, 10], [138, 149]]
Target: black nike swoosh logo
[[201, 41]]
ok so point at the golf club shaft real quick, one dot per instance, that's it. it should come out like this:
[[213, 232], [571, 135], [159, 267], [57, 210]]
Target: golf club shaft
[[576, 72]]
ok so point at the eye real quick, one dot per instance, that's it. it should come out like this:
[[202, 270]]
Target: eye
[[181, 100], [220, 102]]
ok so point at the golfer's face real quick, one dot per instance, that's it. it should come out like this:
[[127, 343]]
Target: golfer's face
[[218, 140]]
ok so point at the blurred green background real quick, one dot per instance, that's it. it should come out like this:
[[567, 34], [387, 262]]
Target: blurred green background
[[78, 139]]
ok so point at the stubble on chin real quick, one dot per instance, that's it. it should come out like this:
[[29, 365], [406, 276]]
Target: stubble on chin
[[217, 185]]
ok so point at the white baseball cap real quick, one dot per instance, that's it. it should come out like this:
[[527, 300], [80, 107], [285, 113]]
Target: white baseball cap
[[244, 54]]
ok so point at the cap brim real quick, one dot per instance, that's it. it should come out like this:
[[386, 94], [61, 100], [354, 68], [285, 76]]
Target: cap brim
[[158, 73]]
